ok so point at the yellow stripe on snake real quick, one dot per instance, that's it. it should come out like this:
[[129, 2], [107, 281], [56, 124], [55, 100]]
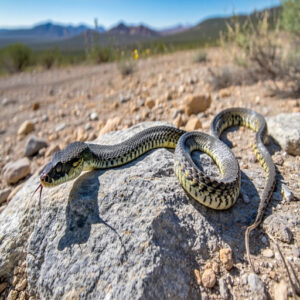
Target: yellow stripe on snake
[[215, 193]]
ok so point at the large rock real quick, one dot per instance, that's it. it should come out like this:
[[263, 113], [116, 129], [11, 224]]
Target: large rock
[[285, 129], [193, 104], [15, 171], [34, 144], [124, 233]]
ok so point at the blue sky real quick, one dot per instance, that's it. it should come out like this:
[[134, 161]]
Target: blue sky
[[156, 13]]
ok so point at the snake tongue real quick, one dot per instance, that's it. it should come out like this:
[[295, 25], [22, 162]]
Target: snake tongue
[[41, 189]]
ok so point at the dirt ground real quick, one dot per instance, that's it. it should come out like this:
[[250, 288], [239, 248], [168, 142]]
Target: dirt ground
[[79, 103]]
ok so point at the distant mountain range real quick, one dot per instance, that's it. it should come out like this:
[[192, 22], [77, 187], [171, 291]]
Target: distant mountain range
[[75, 38]]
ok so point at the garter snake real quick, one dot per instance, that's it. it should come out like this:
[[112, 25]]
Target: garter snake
[[215, 193]]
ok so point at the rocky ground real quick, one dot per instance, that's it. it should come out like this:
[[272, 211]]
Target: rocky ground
[[42, 112]]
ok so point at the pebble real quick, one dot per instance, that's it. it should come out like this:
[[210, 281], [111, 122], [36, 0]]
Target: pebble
[[226, 258], [34, 144], [124, 99], [12, 295], [197, 276], [60, 127], [209, 278], [88, 126], [3, 286], [224, 291], [21, 285], [44, 118], [94, 116], [14, 171], [264, 240], [35, 106], [281, 291], [111, 124], [150, 103], [296, 251], [194, 104], [4, 194], [244, 279], [193, 124], [257, 287], [268, 253], [178, 121], [26, 128], [177, 112], [278, 159], [51, 150], [286, 193]]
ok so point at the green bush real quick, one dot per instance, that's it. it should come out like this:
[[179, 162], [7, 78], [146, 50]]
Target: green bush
[[291, 16], [100, 55], [200, 57], [49, 58], [16, 57]]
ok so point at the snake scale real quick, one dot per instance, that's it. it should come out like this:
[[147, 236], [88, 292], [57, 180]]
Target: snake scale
[[215, 193]]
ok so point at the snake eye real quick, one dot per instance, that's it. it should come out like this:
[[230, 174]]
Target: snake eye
[[76, 163], [58, 168]]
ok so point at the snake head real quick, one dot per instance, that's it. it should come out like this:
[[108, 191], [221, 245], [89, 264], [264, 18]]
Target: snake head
[[65, 165]]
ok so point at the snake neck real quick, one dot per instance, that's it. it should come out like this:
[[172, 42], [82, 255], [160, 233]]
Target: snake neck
[[105, 156]]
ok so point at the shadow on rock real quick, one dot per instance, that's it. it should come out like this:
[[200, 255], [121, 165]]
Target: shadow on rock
[[82, 211]]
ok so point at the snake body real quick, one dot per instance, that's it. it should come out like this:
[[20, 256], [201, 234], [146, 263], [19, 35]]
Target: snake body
[[214, 193]]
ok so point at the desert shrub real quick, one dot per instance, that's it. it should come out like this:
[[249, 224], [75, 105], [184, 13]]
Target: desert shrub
[[200, 57], [100, 55], [264, 50], [49, 58], [227, 76], [290, 19], [15, 57], [127, 67]]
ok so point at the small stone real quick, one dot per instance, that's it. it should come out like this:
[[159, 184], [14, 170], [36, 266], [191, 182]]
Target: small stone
[[21, 285], [281, 291], [12, 295], [278, 159], [264, 240], [44, 118], [257, 286], [52, 149], [26, 128], [35, 106], [15, 280], [268, 253], [178, 121], [111, 124], [80, 134], [34, 144], [193, 124], [286, 193], [150, 103], [273, 275], [3, 286], [296, 251], [94, 116], [244, 279], [224, 291], [224, 93], [124, 99], [60, 127], [14, 171], [209, 278], [226, 258], [4, 194], [22, 295], [197, 276], [87, 126], [194, 104]]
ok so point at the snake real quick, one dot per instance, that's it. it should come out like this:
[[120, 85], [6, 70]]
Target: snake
[[215, 193]]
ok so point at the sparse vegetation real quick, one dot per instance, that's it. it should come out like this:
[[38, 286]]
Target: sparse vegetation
[[15, 58], [127, 67], [265, 51], [49, 58], [227, 76], [200, 57]]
